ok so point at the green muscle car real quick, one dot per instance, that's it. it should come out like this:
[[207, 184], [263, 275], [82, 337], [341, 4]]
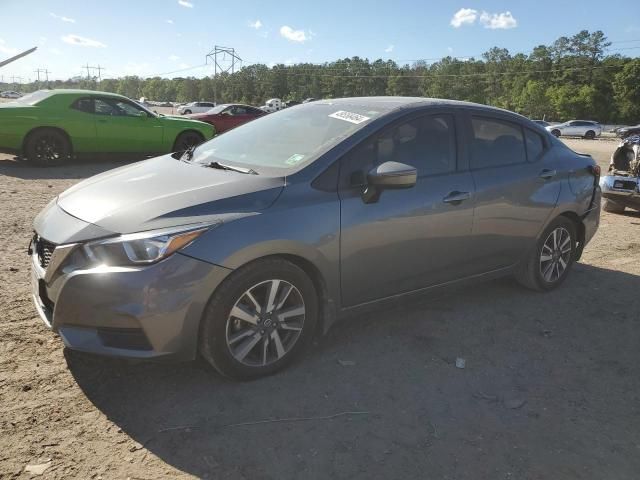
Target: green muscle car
[[50, 126]]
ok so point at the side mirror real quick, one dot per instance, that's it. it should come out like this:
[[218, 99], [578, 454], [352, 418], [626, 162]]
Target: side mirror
[[389, 175]]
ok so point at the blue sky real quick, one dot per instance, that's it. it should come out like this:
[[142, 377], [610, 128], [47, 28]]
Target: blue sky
[[144, 37]]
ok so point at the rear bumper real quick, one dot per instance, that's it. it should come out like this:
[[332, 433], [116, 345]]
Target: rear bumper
[[148, 312]]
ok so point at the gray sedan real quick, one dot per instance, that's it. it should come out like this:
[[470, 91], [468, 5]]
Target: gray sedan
[[247, 246]]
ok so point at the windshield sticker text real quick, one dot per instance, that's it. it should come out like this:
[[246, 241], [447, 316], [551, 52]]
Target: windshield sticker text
[[349, 117]]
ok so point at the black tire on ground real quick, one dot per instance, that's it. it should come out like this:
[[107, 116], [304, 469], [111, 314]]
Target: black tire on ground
[[186, 140], [186, 112], [219, 327], [590, 135], [612, 207], [555, 132], [47, 147], [531, 272]]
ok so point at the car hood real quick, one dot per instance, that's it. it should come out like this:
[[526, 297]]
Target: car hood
[[182, 120], [164, 192]]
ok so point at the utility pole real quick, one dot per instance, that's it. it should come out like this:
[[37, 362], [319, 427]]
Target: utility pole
[[44, 71], [99, 68], [221, 64]]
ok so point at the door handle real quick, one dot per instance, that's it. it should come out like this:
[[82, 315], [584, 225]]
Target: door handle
[[547, 174], [456, 198]]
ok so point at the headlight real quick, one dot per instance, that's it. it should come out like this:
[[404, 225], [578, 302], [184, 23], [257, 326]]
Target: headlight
[[142, 248]]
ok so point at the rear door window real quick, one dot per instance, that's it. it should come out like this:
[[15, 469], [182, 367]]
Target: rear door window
[[83, 105], [535, 145], [496, 143]]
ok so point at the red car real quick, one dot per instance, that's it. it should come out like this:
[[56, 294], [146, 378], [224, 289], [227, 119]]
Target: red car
[[227, 116]]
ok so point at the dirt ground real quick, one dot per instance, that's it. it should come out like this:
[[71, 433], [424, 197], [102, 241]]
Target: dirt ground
[[550, 390]]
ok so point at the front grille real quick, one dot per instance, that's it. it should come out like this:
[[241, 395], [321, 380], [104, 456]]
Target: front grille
[[125, 338], [44, 250]]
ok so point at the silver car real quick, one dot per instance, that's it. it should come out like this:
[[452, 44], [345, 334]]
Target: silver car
[[576, 128], [244, 248]]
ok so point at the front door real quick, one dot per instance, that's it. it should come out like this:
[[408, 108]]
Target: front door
[[123, 126], [407, 239]]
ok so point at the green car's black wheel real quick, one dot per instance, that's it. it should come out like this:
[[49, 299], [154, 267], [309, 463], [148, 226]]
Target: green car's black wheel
[[47, 147], [187, 139]]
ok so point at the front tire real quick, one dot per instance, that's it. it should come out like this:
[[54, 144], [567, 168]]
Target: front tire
[[187, 112], [555, 132], [259, 319], [548, 265], [590, 135], [612, 207], [186, 140], [47, 148]]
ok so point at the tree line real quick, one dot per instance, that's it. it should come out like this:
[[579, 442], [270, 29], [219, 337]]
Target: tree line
[[574, 77]]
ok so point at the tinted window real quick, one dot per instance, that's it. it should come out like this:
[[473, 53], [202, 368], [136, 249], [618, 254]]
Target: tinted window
[[426, 143], [496, 143], [103, 107], [83, 105], [535, 145]]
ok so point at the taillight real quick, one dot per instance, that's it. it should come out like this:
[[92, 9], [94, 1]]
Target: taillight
[[595, 170]]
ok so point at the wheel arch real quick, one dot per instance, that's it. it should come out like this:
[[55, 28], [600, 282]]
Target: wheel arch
[[580, 230], [42, 128], [187, 130]]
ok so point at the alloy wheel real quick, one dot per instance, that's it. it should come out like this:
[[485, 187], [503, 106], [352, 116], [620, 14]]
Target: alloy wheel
[[265, 323], [48, 149], [555, 254]]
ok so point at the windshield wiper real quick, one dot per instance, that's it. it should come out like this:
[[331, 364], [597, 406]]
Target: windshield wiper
[[221, 166]]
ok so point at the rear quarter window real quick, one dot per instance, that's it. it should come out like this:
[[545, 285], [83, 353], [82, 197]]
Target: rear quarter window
[[535, 145]]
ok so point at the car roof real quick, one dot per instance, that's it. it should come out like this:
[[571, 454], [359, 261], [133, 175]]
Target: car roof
[[388, 104]]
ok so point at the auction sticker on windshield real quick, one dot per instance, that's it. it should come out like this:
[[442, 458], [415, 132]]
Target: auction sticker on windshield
[[349, 117]]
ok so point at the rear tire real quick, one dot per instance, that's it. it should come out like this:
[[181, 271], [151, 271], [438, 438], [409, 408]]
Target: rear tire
[[249, 332], [548, 264], [612, 207], [186, 140], [555, 132], [590, 135], [47, 147]]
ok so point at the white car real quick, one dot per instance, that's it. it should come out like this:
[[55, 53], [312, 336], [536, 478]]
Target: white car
[[10, 94], [577, 128], [272, 105], [195, 107]]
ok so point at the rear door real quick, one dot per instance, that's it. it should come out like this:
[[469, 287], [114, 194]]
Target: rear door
[[80, 124], [412, 238], [517, 187], [123, 126]]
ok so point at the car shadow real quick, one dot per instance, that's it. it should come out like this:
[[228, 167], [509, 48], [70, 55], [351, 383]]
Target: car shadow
[[18, 167], [381, 392]]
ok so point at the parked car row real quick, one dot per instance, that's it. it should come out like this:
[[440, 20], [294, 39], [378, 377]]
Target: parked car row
[[48, 127]]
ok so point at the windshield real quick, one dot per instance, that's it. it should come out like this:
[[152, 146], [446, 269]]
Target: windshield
[[35, 97], [287, 140], [217, 109]]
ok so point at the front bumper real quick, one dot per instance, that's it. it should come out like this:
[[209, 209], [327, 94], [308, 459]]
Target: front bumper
[[137, 312], [621, 189]]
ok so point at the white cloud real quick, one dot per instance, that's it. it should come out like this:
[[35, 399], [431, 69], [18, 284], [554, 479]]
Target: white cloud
[[257, 24], [174, 58], [184, 3], [502, 20], [169, 21], [63, 18], [449, 49], [293, 35], [464, 16], [5, 49], [389, 49], [82, 41]]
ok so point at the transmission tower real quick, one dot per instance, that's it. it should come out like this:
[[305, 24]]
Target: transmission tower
[[225, 60], [98, 68], [43, 71]]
